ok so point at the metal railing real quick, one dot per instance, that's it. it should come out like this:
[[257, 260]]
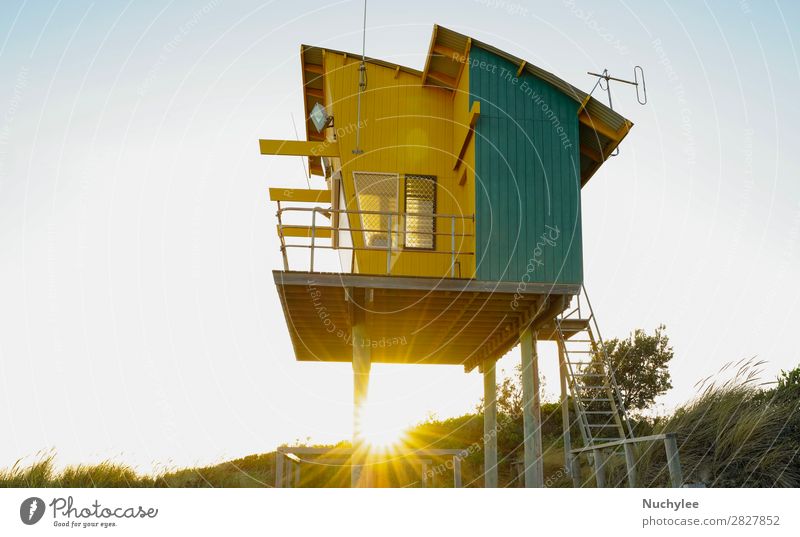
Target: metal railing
[[670, 447], [394, 218]]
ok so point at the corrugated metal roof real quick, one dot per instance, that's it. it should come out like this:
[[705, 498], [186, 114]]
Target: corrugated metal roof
[[601, 129]]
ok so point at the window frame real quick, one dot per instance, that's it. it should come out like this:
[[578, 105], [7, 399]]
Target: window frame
[[389, 232], [432, 233]]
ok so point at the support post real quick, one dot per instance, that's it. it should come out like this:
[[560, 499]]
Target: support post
[[569, 458], [297, 475], [424, 474], [278, 469], [599, 468], [489, 425], [457, 472], [673, 460], [630, 465], [362, 361], [531, 412]]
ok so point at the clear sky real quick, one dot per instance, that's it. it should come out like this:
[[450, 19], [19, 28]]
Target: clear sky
[[138, 318]]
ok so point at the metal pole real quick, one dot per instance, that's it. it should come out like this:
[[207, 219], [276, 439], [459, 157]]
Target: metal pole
[[599, 468], [531, 413], [389, 247], [313, 235], [489, 425], [283, 240], [278, 469], [457, 472], [630, 464], [673, 460], [452, 246]]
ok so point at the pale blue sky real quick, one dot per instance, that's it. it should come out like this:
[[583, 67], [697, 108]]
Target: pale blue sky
[[138, 319]]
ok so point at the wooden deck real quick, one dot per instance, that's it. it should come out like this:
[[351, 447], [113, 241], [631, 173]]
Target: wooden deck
[[414, 320]]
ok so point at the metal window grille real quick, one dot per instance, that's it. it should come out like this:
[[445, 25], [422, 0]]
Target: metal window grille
[[377, 192], [420, 197]]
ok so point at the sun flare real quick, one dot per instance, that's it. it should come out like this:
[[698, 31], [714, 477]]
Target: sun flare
[[379, 431]]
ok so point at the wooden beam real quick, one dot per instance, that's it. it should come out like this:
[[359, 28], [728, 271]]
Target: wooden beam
[[521, 67], [300, 194], [463, 66], [474, 114], [599, 127], [430, 54], [314, 68], [303, 149], [305, 231], [447, 52], [584, 103], [443, 79], [592, 154], [313, 92]]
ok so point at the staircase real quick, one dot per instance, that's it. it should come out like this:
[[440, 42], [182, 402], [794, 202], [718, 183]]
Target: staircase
[[596, 397]]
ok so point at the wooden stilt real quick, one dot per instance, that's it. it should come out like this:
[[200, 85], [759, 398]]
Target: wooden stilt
[[569, 458], [362, 362], [490, 479], [531, 412]]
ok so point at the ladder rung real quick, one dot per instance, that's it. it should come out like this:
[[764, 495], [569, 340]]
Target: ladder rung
[[606, 412], [604, 426]]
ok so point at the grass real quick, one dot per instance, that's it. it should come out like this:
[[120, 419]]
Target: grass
[[734, 435], [738, 434]]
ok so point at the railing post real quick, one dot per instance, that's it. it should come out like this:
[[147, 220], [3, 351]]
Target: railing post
[[673, 460], [630, 464], [283, 240], [452, 246], [457, 472], [575, 471], [278, 469], [313, 235], [389, 246], [599, 468]]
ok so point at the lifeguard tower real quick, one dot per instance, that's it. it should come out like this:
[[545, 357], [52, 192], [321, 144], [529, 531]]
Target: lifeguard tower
[[452, 210]]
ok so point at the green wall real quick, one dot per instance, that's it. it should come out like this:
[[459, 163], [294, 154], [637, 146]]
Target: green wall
[[527, 176]]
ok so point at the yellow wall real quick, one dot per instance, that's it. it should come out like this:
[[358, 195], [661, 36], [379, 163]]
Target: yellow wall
[[406, 128]]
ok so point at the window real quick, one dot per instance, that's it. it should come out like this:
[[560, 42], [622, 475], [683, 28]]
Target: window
[[420, 198], [377, 192]]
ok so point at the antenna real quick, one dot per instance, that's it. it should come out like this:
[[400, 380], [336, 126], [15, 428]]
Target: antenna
[[362, 81], [638, 80]]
